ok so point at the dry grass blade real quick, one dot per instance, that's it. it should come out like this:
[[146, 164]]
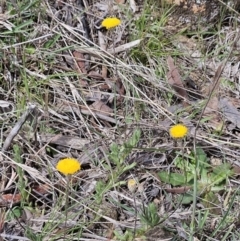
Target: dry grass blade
[[125, 47]]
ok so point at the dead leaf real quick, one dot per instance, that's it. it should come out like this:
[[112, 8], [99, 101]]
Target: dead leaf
[[83, 83], [101, 108], [41, 189], [104, 87], [236, 169], [212, 107], [80, 62], [121, 91], [178, 190], [198, 8], [174, 79], [120, 87], [6, 199], [69, 141], [215, 121], [120, 1], [230, 112], [216, 80]]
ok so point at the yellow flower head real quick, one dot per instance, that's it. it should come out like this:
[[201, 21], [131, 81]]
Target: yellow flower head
[[178, 131], [132, 185], [110, 22], [68, 166]]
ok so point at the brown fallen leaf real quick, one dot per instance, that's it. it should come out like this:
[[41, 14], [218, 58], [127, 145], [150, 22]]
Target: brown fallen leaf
[[198, 8], [101, 108], [6, 199], [69, 141], [121, 91], [211, 111], [80, 62], [230, 112], [212, 107], [120, 1], [104, 87], [178, 190], [120, 87], [41, 189], [236, 169], [174, 79]]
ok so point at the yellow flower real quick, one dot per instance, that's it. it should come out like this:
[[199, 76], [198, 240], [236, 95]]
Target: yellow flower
[[132, 185], [178, 131], [110, 22], [68, 166]]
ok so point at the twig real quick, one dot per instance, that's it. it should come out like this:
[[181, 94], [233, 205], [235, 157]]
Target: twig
[[17, 127]]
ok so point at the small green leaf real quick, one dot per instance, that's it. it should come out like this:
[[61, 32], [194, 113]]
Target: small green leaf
[[114, 155], [221, 173], [100, 186], [30, 50], [150, 215], [129, 167], [52, 41], [204, 176], [184, 164], [202, 157], [175, 179], [133, 141], [186, 198]]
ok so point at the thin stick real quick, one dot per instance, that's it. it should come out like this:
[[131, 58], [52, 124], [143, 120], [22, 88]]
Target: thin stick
[[67, 203], [17, 127], [135, 218]]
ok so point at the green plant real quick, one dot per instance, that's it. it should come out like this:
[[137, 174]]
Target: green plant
[[127, 236], [150, 26], [117, 155], [149, 215], [210, 179], [21, 184]]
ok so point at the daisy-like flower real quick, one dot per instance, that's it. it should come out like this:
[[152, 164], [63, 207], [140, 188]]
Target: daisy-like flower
[[68, 166], [132, 185], [178, 131], [110, 22]]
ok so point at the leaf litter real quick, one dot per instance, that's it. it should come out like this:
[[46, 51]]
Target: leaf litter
[[95, 94]]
